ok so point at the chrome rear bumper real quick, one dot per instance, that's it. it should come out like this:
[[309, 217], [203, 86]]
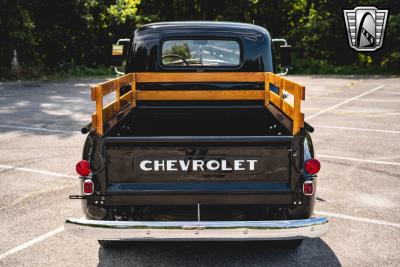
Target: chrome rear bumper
[[197, 230]]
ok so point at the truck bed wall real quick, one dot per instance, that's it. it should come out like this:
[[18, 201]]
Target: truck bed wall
[[199, 121]]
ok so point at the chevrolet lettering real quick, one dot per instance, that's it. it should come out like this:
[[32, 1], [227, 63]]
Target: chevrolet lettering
[[198, 165]]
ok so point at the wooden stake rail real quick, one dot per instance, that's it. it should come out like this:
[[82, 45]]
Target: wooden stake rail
[[128, 100]]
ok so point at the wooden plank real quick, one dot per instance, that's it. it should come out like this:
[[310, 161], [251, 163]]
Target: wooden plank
[[99, 110], [163, 77], [302, 120], [126, 79], [280, 91], [94, 121], [117, 95], [278, 82], [274, 79], [133, 90], [266, 88], [109, 111], [127, 96], [297, 91], [296, 112], [201, 95], [288, 109], [107, 87], [93, 93], [274, 98], [291, 87], [112, 85]]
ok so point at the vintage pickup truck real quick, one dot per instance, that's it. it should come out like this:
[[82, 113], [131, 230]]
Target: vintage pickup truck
[[202, 142]]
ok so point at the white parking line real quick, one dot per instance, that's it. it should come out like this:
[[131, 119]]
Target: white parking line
[[344, 102], [360, 160], [359, 219], [8, 167], [379, 100], [357, 129], [31, 242], [42, 237], [38, 129]]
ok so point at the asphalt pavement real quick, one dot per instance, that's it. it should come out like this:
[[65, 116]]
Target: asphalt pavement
[[357, 140]]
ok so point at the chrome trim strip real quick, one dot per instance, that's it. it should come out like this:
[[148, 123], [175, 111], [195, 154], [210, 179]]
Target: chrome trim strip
[[193, 230]]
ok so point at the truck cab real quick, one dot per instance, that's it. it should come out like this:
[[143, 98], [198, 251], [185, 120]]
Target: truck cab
[[201, 142]]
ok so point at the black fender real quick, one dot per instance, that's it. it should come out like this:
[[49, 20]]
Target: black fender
[[91, 212], [306, 208]]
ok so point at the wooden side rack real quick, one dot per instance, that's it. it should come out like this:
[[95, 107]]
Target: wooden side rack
[[127, 101]]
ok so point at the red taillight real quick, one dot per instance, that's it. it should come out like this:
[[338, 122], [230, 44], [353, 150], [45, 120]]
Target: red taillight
[[83, 168], [312, 166], [308, 188], [88, 187]]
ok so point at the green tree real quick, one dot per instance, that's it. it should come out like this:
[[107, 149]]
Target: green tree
[[57, 35]]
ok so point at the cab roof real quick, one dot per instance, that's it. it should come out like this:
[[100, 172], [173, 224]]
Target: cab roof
[[204, 27]]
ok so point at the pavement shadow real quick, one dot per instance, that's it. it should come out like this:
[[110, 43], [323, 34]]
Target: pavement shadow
[[313, 252], [61, 107]]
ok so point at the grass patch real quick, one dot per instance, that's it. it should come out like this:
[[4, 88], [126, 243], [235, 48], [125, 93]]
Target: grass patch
[[61, 72]]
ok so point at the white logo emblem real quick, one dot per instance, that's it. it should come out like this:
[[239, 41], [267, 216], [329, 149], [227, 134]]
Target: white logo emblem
[[365, 27]]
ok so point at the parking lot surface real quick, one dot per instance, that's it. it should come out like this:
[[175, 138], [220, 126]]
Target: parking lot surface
[[357, 140]]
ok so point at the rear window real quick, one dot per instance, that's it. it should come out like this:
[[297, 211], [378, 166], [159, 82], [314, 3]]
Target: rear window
[[200, 53]]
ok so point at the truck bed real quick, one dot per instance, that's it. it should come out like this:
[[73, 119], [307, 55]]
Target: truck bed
[[186, 135]]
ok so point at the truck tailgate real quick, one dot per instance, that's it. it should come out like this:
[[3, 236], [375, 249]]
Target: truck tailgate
[[202, 164]]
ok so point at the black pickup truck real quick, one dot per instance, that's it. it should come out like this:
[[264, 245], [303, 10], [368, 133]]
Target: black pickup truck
[[202, 142]]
